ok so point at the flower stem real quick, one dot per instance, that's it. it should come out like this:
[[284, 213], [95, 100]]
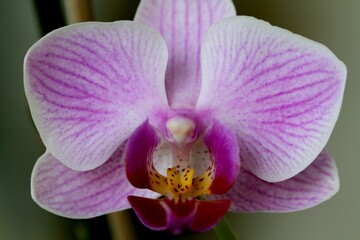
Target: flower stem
[[121, 226], [77, 11], [224, 231]]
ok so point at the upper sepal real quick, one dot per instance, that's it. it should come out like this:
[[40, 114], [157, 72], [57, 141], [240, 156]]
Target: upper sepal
[[183, 24]]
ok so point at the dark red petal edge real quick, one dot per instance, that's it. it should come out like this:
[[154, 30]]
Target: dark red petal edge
[[192, 215], [224, 148], [140, 147]]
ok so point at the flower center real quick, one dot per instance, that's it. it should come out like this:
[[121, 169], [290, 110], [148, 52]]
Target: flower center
[[180, 130], [181, 185]]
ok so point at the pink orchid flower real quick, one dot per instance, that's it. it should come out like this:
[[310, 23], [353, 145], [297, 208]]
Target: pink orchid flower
[[174, 102]]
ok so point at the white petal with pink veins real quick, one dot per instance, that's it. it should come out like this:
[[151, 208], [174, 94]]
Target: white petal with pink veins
[[317, 183], [85, 194], [90, 85], [279, 92], [182, 24]]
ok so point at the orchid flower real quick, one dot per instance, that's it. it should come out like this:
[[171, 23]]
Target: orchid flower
[[183, 114]]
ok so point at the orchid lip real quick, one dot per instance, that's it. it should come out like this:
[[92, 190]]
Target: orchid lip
[[192, 215], [215, 165], [180, 185], [183, 182]]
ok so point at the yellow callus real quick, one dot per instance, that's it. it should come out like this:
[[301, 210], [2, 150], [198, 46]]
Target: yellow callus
[[181, 184]]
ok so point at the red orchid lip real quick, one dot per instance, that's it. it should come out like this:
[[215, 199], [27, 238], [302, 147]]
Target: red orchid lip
[[221, 142], [192, 215], [179, 210]]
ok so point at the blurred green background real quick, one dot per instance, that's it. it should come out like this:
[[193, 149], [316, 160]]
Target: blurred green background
[[334, 23]]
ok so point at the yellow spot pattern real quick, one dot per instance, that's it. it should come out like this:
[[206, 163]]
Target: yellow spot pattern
[[181, 184]]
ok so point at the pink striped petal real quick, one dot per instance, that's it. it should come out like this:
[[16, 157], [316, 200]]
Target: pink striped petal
[[182, 24], [279, 92], [75, 194], [90, 85], [317, 183]]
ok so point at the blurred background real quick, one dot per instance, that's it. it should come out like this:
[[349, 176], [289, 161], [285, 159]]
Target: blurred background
[[334, 23]]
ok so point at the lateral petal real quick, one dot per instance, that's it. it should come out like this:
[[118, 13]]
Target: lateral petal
[[279, 92], [90, 85]]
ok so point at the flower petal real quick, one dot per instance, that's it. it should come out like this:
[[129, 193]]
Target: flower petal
[[279, 92], [139, 152], [223, 145], [204, 219], [90, 85], [75, 194], [317, 183], [193, 215], [182, 24], [150, 212]]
